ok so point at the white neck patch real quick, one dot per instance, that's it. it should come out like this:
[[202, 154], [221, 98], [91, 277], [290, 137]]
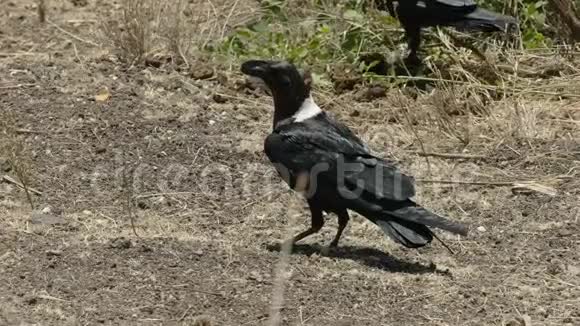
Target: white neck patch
[[307, 110]]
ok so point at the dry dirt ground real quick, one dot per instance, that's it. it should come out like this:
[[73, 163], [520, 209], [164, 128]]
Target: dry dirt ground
[[209, 210]]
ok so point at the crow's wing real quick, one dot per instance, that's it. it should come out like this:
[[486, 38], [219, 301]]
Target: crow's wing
[[456, 3], [486, 20], [336, 159]]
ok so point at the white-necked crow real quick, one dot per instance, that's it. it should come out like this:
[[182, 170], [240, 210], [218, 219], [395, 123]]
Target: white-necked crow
[[315, 153], [461, 14]]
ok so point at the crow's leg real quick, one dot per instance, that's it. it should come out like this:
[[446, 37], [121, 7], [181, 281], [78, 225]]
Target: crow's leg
[[317, 223], [342, 222], [414, 42]]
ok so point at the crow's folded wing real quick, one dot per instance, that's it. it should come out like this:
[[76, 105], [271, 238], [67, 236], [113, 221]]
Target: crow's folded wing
[[456, 3], [336, 159]]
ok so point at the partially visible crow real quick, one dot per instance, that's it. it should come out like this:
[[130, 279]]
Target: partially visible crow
[[333, 168], [462, 14]]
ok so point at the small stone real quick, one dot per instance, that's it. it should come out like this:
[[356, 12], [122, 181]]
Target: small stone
[[222, 79], [45, 219], [54, 253], [46, 210], [145, 248], [143, 204], [481, 229], [31, 300], [564, 232], [121, 243], [241, 117], [219, 98], [87, 212], [201, 74], [211, 122], [153, 62], [5, 165], [375, 92], [255, 276], [573, 270]]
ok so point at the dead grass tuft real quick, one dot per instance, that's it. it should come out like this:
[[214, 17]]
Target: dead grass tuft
[[132, 32], [14, 148], [203, 321], [153, 29]]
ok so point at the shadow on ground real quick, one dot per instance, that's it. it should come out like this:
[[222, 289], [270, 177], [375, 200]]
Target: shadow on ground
[[370, 257]]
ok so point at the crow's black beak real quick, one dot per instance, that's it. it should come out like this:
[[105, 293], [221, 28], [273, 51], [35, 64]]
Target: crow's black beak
[[255, 68]]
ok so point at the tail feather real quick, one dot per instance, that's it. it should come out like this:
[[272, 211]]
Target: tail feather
[[420, 215], [410, 235]]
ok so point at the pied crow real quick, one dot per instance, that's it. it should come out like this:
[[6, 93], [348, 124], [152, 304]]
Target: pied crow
[[462, 14], [333, 168]]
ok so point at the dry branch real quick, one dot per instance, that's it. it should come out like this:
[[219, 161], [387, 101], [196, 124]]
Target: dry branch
[[163, 194], [13, 181], [16, 86], [565, 9], [72, 35], [42, 11], [472, 183], [451, 155], [516, 186]]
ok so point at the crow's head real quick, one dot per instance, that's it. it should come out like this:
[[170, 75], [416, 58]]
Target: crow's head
[[288, 86], [279, 76]]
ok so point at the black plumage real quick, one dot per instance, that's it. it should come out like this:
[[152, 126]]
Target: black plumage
[[464, 15], [334, 168]]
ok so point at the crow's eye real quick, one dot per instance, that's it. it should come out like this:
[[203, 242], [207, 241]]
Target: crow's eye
[[285, 81]]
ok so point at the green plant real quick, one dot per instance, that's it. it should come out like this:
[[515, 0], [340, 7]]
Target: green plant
[[320, 33]]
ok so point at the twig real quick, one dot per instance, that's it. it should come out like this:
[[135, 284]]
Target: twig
[[23, 180], [42, 11], [71, 34], [206, 292], [451, 155], [49, 297], [443, 243], [16, 86], [20, 185], [17, 54], [475, 183], [81, 21], [129, 197], [227, 20], [162, 194], [28, 131], [184, 313], [77, 55]]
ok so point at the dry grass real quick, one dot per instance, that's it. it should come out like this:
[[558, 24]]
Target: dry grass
[[15, 155], [179, 29]]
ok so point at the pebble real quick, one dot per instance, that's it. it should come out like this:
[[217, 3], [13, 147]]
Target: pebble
[[45, 219]]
